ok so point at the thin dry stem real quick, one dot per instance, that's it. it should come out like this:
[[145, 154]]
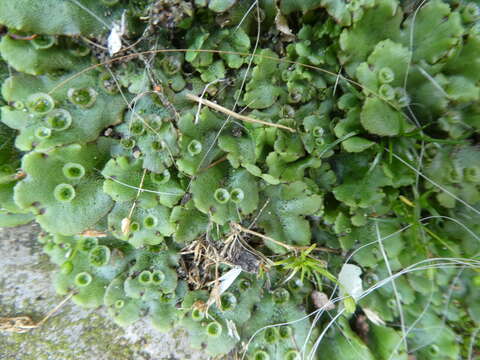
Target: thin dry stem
[[94, 233], [23, 324], [239, 53], [20, 37], [286, 246], [93, 43], [125, 225], [215, 163], [234, 114], [254, 233], [140, 190]]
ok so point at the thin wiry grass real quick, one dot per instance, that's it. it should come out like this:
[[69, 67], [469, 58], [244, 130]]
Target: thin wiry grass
[[447, 263], [395, 290], [134, 114], [444, 320], [412, 114], [336, 142], [414, 323], [340, 330], [337, 79], [433, 81], [204, 91], [434, 183], [461, 263], [401, 230], [375, 242], [138, 188], [411, 43], [224, 52], [246, 15], [147, 64], [244, 80], [412, 327], [91, 13]]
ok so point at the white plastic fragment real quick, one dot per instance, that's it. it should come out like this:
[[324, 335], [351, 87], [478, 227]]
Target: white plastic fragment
[[350, 281], [227, 279], [115, 37]]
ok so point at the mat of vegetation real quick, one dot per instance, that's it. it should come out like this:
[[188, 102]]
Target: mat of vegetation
[[283, 179]]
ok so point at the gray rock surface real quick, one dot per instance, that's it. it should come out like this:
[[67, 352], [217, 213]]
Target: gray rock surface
[[73, 333]]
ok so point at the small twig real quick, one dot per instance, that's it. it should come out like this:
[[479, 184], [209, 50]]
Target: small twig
[[94, 233], [125, 225], [19, 324], [215, 293], [234, 114], [197, 115], [215, 163], [286, 246], [111, 178], [20, 37], [254, 221], [254, 233], [140, 190], [93, 43], [23, 324], [246, 246], [324, 249], [336, 80]]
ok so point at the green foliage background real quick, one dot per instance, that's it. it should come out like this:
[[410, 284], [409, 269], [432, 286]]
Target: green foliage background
[[147, 198]]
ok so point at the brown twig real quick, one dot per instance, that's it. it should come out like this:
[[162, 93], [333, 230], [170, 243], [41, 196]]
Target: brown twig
[[215, 163], [94, 233], [286, 246], [23, 324], [254, 233], [234, 114], [225, 52], [20, 37], [125, 225]]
